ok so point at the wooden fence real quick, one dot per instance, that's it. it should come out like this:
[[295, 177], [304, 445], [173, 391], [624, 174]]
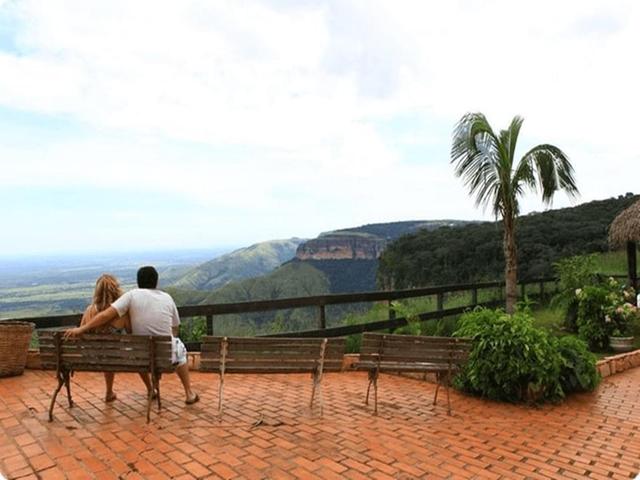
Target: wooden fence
[[532, 288]]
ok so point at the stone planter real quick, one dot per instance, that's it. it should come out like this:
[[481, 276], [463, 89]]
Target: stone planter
[[621, 344], [348, 361], [33, 359]]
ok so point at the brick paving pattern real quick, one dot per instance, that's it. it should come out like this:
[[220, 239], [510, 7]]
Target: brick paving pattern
[[268, 432]]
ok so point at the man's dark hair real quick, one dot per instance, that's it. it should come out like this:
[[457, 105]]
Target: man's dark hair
[[147, 277]]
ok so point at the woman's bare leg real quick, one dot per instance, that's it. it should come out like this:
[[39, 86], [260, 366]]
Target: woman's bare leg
[[147, 381], [108, 380]]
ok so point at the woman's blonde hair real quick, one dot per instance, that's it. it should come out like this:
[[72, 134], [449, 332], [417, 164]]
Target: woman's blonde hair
[[107, 291]]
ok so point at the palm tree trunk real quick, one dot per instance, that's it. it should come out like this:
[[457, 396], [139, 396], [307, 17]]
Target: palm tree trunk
[[511, 264]]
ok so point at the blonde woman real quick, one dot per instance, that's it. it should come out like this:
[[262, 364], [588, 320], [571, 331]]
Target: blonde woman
[[107, 291]]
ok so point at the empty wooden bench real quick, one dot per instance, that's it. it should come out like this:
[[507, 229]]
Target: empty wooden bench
[[408, 353], [272, 355], [105, 353]]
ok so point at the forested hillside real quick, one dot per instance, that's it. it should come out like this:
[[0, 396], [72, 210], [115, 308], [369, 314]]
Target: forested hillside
[[253, 261], [347, 276], [474, 252], [393, 230]]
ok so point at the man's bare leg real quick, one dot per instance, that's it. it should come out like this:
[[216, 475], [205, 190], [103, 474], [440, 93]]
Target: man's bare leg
[[183, 374]]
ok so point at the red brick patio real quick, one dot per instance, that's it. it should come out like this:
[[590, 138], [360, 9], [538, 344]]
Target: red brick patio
[[267, 432]]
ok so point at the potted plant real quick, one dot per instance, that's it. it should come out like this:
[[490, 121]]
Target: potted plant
[[622, 318], [620, 341]]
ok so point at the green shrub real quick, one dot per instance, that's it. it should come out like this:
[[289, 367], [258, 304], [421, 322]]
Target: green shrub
[[409, 312], [578, 371], [353, 343], [193, 329], [592, 325], [443, 327], [573, 273], [511, 359]]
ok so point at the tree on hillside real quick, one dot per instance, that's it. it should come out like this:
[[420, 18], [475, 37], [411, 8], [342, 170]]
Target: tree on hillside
[[487, 164]]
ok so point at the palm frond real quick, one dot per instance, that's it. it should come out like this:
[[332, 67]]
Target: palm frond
[[475, 153], [514, 133], [547, 167]]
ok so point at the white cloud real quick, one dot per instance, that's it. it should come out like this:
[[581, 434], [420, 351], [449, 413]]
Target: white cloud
[[302, 86]]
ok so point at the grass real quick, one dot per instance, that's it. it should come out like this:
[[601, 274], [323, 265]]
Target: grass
[[611, 262]]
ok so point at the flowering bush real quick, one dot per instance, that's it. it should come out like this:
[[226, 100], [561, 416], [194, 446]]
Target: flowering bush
[[603, 311], [622, 316]]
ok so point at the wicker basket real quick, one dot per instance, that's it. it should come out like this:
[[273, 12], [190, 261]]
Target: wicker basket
[[14, 345]]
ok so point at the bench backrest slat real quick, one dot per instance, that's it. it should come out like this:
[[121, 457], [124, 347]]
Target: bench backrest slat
[[414, 349], [271, 355], [100, 352]]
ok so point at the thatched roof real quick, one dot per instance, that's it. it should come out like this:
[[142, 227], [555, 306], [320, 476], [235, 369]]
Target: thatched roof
[[625, 227]]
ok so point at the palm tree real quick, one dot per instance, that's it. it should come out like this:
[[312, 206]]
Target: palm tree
[[486, 163]]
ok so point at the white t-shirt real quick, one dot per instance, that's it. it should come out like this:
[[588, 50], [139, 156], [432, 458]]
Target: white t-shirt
[[152, 312]]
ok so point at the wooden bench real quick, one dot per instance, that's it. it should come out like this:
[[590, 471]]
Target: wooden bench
[[105, 353], [408, 353], [272, 355]]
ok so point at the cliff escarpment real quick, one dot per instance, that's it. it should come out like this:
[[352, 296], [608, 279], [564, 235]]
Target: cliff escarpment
[[341, 247]]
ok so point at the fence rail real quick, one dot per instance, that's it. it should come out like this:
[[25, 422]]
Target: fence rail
[[322, 301]]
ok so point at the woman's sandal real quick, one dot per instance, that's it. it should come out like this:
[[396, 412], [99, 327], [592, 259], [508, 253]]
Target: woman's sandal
[[193, 400], [110, 398]]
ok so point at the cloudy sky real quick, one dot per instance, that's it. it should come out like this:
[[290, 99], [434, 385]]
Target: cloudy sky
[[153, 124]]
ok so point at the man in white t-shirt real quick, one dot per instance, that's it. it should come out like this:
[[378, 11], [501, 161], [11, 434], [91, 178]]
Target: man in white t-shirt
[[152, 312]]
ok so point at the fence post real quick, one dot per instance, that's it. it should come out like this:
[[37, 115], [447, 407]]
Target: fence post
[[392, 314], [440, 300], [474, 296], [209, 324], [323, 318], [523, 290], [541, 290], [632, 270]]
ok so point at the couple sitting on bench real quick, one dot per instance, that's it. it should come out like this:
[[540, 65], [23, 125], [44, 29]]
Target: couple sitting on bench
[[141, 311]]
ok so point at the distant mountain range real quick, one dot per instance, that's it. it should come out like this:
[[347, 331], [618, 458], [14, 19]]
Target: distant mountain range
[[339, 261]]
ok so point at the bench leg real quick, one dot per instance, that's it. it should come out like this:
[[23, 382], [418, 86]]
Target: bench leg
[[67, 382], [317, 387], [373, 380], [375, 394], [314, 376], [149, 402], [156, 386], [371, 377], [220, 393], [446, 377], [320, 399], [55, 394], [448, 400]]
